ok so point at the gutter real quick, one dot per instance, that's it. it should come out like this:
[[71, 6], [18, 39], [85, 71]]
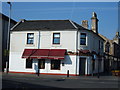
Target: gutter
[[76, 51], [39, 40]]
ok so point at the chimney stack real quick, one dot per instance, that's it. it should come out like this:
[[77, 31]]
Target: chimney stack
[[23, 20], [85, 24], [94, 25]]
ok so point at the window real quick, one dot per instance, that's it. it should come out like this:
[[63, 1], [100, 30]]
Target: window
[[28, 63], [102, 46], [56, 38], [99, 45], [93, 65], [107, 47], [41, 64], [30, 38], [55, 64], [83, 39]]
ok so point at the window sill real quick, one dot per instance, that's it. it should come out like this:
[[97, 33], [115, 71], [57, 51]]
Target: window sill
[[55, 69], [58, 45], [84, 45], [41, 68], [28, 68], [29, 45]]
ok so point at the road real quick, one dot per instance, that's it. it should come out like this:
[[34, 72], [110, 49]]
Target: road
[[46, 81]]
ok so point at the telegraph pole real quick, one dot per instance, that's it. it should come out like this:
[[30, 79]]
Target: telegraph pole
[[8, 37]]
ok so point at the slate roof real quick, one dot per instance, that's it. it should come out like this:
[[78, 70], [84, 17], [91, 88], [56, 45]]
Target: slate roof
[[46, 25]]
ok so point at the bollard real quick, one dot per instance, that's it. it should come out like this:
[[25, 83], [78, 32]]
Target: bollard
[[38, 72], [67, 73]]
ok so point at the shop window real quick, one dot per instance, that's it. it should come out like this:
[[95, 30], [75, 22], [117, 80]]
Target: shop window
[[55, 64], [93, 65], [29, 63], [41, 64]]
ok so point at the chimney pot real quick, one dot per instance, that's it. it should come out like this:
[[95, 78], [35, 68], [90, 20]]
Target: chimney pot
[[85, 24]]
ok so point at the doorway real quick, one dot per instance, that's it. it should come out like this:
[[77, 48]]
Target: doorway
[[82, 64]]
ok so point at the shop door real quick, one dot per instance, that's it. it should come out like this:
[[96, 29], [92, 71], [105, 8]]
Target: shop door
[[82, 64]]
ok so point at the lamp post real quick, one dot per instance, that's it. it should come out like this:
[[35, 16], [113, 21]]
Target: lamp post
[[93, 61], [98, 75], [8, 37]]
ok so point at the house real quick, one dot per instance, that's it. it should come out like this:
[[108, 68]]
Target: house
[[112, 52], [56, 47], [3, 40]]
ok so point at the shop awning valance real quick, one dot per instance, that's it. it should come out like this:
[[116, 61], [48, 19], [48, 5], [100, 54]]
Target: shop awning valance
[[44, 53], [56, 53]]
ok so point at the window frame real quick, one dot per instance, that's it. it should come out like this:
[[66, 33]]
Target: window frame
[[41, 61], [85, 38], [27, 66], [93, 65], [102, 45], [53, 62], [107, 47], [30, 38], [56, 38]]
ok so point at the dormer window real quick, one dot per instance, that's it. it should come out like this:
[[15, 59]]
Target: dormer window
[[30, 38]]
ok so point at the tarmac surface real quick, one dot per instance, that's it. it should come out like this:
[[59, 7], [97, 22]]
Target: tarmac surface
[[26, 81]]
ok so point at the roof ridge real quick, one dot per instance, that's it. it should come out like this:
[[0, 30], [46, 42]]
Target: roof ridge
[[48, 20]]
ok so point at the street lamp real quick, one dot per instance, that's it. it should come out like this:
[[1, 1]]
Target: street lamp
[[98, 75], [93, 63], [8, 37]]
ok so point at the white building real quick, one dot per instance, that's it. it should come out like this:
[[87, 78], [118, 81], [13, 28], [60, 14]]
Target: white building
[[55, 46]]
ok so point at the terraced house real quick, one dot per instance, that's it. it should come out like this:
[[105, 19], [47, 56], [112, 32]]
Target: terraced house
[[56, 46]]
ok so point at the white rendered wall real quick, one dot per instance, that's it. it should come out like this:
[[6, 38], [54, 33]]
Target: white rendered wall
[[92, 41], [88, 65], [19, 38], [67, 40], [18, 44], [19, 65]]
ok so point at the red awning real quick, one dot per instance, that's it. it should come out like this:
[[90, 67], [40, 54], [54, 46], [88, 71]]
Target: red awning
[[44, 53], [56, 53], [35, 53], [84, 51]]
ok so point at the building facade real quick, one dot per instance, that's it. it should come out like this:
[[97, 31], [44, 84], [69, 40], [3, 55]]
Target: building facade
[[112, 53], [55, 47], [4, 31]]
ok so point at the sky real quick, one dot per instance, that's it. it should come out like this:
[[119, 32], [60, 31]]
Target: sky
[[107, 13]]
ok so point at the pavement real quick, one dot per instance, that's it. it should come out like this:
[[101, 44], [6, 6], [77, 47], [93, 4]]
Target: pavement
[[17, 80], [65, 76]]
